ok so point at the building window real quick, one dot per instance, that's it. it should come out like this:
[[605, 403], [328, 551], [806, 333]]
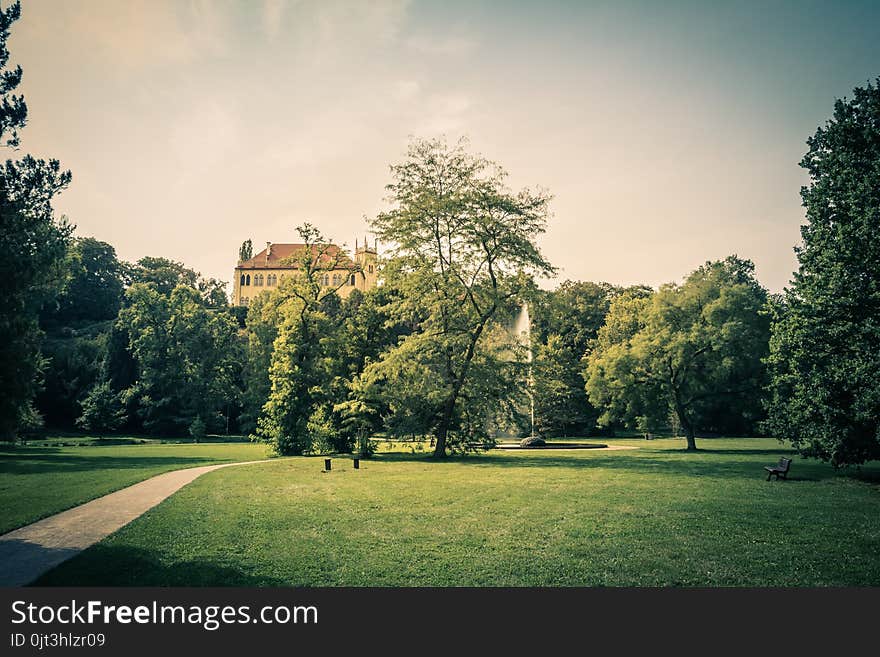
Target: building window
[[242, 280], [370, 268], [351, 280], [245, 301], [248, 280], [325, 280]]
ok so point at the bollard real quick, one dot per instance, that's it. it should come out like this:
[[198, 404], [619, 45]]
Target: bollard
[[327, 465], [357, 463]]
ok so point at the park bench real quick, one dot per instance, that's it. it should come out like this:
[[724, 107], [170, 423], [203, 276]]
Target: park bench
[[780, 468]]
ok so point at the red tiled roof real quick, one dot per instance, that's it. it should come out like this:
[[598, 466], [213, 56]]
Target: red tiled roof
[[280, 252]]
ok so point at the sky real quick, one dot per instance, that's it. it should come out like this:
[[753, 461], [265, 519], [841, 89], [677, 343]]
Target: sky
[[668, 133]]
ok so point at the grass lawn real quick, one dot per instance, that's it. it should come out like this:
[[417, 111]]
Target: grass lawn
[[36, 482], [656, 515]]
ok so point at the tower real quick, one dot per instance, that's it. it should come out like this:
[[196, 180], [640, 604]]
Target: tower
[[366, 257]]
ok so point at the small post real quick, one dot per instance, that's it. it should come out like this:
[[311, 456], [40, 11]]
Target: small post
[[327, 465], [357, 463]]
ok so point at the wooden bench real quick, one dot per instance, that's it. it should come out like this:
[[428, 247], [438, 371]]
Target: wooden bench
[[780, 468]]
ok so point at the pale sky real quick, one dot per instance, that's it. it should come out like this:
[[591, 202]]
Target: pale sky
[[669, 133]]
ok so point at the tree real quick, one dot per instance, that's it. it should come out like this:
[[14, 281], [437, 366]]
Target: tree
[[13, 109], [32, 247], [694, 350], [187, 358], [167, 274], [74, 364], [825, 347], [261, 330], [294, 418], [463, 251], [101, 410], [564, 324], [77, 326], [561, 404], [93, 284], [246, 252]]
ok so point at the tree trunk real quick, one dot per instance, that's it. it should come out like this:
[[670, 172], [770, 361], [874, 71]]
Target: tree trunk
[[685, 424], [440, 444], [443, 429], [689, 430]]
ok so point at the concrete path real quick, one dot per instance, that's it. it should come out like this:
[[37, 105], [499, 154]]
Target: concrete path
[[28, 552]]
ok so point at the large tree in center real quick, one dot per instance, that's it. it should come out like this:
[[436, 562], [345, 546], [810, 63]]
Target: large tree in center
[[462, 250], [293, 418]]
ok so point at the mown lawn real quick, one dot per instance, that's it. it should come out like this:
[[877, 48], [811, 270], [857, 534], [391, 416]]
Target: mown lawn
[[652, 516], [36, 482]]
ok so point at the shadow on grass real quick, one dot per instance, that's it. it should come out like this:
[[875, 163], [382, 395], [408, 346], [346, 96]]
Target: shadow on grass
[[104, 565], [871, 476], [676, 462], [48, 460]]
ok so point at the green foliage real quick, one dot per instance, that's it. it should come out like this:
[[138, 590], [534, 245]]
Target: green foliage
[[198, 429], [306, 352], [32, 247], [167, 274], [298, 372], [359, 419], [463, 251], [78, 325], [564, 324], [261, 328], [74, 363], [187, 356], [694, 349], [561, 404], [93, 284], [324, 438], [13, 109], [102, 410], [825, 347], [246, 251]]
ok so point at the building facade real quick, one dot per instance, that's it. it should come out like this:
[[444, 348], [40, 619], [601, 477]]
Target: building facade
[[269, 267]]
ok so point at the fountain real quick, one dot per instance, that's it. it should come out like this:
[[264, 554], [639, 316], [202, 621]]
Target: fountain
[[522, 329]]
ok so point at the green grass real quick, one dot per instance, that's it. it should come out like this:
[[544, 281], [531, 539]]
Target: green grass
[[36, 482], [652, 516]]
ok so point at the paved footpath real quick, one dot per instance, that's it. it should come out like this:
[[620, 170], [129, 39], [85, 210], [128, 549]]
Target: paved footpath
[[28, 552]]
